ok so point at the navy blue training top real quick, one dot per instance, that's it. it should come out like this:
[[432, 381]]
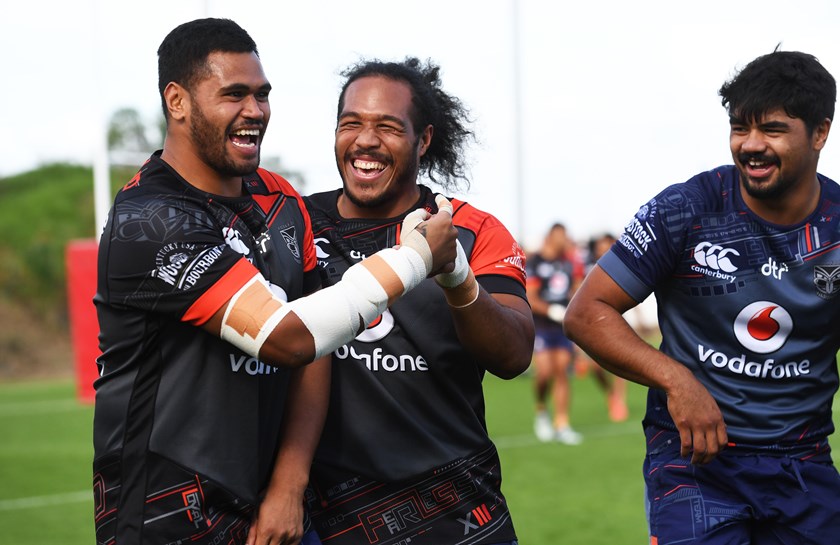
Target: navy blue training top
[[752, 308]]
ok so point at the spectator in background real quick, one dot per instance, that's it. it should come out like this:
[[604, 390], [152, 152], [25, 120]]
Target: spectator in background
[[614, 387], [553, 275]]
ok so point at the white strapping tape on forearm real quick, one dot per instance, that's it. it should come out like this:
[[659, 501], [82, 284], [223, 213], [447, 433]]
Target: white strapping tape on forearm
[[251, 315], [337, 314], [459, 274]]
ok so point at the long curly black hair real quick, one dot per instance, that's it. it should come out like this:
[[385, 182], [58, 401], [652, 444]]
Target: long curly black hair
[[444, 162]]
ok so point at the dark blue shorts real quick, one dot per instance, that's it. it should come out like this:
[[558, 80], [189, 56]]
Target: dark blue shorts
[[546, 338], [739, 499]]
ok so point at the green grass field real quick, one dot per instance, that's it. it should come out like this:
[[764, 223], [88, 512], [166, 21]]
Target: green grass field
[[590, 494]]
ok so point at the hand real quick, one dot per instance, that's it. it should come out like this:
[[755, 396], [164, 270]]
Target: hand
[[433, 237], [698, 419], [279, 521]]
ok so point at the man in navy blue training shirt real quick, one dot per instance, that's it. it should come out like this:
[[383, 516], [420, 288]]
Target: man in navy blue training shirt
[[744, 261]]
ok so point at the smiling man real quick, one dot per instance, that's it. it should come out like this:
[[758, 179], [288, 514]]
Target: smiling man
[[209, 315], [405, 455], [743, 260]]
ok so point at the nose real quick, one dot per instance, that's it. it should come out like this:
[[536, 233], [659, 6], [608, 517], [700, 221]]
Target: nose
[[367, 137], [753, 141], [253, 108]]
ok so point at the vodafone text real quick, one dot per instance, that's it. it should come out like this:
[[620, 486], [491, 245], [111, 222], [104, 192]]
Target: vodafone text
[[740, 366], [387, 362], [250, 365]]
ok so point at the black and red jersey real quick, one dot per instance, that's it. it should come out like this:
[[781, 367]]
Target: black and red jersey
[[405, 455], [186, 425]]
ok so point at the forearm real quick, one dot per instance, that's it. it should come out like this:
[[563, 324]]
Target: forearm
[[603, 333], [499, 331], [305, 412]]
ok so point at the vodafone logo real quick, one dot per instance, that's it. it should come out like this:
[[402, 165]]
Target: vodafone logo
[[763, 327], [378, 329]]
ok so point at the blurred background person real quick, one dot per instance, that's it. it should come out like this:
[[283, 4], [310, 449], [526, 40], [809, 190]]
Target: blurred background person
[[553, 275], [614, 387]]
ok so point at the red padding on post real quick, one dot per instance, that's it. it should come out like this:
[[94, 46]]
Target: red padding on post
[[84, 326]]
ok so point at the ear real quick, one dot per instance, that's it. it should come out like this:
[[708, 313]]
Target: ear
[[821, 134], [425, 139], [176, 98]]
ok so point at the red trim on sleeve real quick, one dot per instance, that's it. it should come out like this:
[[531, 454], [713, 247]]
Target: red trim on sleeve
[[275, 182], [219, 293], [495, 251]]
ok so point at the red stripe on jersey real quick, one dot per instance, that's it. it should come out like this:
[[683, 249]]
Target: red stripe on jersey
[[219, 293], [275, 182], [495, 251]]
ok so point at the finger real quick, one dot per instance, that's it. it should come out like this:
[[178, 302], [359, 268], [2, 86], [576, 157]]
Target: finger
[[412, 220], [686, 445], [701, 449], [443, 204], [251, 534]]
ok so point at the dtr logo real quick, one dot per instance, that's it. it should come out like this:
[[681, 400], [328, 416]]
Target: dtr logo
[[763, 327]]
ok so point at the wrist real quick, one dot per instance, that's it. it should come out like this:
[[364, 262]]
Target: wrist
[[464, 294]]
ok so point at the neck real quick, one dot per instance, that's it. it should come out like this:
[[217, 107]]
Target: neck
[[199, 174], [788, 209], [388, 208]]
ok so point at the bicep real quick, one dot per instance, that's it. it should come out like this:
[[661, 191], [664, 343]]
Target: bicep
[[599, 288]]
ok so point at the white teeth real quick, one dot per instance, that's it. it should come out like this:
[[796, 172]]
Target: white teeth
[[248, 145], [368, 165], [247, 132]]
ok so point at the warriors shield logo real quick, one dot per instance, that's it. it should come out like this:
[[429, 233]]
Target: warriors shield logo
[[827, 280]]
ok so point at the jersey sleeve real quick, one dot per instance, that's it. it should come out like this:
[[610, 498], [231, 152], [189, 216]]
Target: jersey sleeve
[[165, 255], [650, 246], [496, 259]]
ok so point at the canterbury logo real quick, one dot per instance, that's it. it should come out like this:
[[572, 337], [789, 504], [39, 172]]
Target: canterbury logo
[[715, 257]]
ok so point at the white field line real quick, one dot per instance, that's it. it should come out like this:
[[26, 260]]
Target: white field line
[[609, 430], [42, 407], [37, 502], [502, 443]]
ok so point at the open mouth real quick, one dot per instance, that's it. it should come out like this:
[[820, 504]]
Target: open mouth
[[759, 167], [245, 138], [367, 168]]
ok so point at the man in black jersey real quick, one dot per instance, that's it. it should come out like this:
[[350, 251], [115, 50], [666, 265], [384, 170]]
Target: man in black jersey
[[405, 455], [209, 313]]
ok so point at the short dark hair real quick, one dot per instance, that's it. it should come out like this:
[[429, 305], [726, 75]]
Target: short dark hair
[[791, 80], [182, 56], [444, 162]]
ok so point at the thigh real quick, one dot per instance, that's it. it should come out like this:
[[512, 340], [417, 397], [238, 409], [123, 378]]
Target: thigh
[[693, 504], [310, 538], [805, 510]]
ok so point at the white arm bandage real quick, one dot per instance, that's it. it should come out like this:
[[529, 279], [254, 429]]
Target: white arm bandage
[[334, 315]]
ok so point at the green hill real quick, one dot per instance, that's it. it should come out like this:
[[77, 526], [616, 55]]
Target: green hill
[[40, 212]]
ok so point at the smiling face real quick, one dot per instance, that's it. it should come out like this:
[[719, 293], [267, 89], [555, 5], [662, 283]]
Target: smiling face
[[378, 149], [217, 126], [230, 112], [776, 156]]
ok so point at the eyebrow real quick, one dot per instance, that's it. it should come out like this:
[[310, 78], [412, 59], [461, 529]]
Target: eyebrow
[[243, 87], [733, 120], [383, 117]]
